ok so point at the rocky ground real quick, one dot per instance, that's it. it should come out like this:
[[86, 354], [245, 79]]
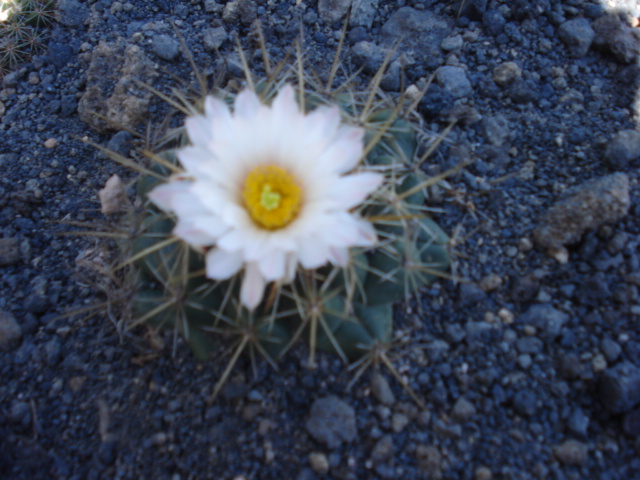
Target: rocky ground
[[530, 367]]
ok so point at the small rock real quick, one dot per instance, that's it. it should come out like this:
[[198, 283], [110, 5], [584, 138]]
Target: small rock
[[571, 452], [610, 349], [214, 38], [577, 34], [20, 413], [631, 423], [525, 403], [493, 22], [590, 205], [332, 421], [598, 363], [121, 143], [419, 30], [452, 43], [383, 449], [578, 422], [10, 331], [429, 460], [463, 410], [362, 13], [332, 11], [9, 251], [165, 47], [619, 388], [531, 345], [113, 197], [506, 73], [495, 129], [381, 390], [483, 473], [398, 422], [623, 149], [319, 463], [615, 35], [51, 143], [454, 80], [368, 55], [546, 319], [470, 295], [72, 13]]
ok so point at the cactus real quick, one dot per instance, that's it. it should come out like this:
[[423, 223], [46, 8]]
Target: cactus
[[19, 33], [347, 311]]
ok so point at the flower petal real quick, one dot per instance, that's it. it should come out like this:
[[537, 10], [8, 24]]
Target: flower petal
[[252, 287], [345, 151], [188, 231], [339, 256], [215, 108], [272, 265], [164, 196], [199, 130], [222, 265], [247, 103], [312, 252], [351, 190]]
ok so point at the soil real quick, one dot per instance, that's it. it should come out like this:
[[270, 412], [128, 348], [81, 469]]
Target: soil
[[528, 362]]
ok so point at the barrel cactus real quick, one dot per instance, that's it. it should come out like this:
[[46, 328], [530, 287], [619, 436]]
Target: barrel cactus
[[284, 211]]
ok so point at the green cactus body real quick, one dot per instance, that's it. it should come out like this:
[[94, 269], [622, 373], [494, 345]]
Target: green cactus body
[[348, 311]]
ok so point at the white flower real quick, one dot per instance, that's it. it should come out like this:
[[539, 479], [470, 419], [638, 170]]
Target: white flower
[[269, 188]]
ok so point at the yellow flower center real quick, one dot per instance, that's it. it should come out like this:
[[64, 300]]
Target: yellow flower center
[[272, 196]]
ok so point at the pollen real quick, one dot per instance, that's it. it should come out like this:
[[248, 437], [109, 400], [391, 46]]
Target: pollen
[[272, 196]]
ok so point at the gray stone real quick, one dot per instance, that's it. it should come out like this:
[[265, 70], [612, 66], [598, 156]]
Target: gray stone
[[623, 148], [631, 423], [571, 452], [165, 47], [495, 129], [610, 349], [398, 422], [363, 13], [493, 22], [380, 389], [530, 345], [243, 11], [10, 331], [332, 11], [214, 38], [429, 460], [452, 43], [546, 319], [615, 35], [506, 73], [383, 450], [332, 421], [11, 79], [578, 422], [525, 403], [212, 6], [418, 30], [619, 388], [577, 34], [586, 207], [72, 13], [121, 143], [454, 80], [463, 410], [114, 64], [368, 55], [9, 251]]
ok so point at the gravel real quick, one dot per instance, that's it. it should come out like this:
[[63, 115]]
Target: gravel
[[527, 367]]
